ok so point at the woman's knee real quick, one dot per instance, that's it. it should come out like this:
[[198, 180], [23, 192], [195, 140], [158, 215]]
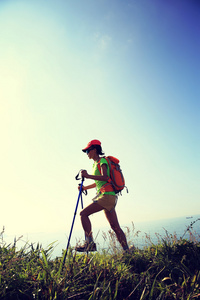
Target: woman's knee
[[91, 209], [82, 213], [85, 212]]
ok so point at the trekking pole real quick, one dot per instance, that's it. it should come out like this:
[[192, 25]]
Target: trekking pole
[[79, 196]]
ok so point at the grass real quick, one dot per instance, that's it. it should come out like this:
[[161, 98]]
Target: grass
[[169, 269]]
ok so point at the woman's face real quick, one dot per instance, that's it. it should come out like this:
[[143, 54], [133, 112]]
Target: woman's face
[[91, 153]]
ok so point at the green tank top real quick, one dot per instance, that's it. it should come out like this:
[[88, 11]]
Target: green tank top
[[96, 172]]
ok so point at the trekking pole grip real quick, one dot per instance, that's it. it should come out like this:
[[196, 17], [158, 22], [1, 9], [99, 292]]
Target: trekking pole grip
[[83, 191], [82, 180]]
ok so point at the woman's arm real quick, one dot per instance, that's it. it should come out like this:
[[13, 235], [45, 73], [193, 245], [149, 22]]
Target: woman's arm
[[87, 187], [103, 177]]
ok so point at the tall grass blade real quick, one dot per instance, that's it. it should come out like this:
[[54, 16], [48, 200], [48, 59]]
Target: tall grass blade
[[152, 288]]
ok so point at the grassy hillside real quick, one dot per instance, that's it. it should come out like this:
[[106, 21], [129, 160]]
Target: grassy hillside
[[167, 270]]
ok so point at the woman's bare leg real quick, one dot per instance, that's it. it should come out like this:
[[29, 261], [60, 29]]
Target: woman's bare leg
[[112, 219], [85, 213]]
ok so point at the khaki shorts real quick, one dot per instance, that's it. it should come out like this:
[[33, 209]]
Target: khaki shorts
[[107, 201]]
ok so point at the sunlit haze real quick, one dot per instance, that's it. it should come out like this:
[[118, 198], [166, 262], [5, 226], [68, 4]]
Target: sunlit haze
[[124, 72]]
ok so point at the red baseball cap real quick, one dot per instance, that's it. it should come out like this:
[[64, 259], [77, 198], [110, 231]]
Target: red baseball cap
[[92, 143]]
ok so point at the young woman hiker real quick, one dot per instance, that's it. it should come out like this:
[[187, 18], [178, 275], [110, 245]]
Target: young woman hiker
[[105, 200]]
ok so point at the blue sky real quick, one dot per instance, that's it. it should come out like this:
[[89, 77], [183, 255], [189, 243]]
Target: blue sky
[[124, 72]]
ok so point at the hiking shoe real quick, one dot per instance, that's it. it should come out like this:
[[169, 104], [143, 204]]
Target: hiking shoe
[[132, 249], [86, 247], [129, 250]]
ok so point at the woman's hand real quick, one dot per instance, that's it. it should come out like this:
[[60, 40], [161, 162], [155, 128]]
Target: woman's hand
[[84, 174], [83, 188]]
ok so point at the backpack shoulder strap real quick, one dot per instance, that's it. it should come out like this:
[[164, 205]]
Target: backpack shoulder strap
[[98, 163], [98, 166]]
